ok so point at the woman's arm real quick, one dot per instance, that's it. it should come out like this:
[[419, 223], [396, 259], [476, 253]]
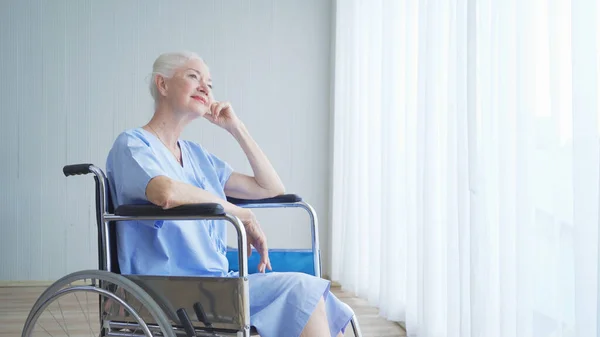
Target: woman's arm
[[168, 193], [265, 183]]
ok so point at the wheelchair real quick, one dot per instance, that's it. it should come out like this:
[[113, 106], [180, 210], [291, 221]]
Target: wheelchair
[[147, 305]]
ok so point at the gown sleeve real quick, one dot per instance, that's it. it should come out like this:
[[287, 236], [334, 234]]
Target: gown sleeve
[[221, 168], [132, 164]]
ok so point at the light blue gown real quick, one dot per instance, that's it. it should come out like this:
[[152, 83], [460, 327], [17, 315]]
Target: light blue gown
[[280, 303]]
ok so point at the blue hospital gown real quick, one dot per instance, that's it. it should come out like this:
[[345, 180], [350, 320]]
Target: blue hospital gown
[[280, 303]]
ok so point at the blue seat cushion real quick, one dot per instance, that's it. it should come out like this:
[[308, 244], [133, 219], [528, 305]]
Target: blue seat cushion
[[282, 260]]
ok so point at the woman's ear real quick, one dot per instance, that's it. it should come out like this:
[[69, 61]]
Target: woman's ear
[[161, 84]]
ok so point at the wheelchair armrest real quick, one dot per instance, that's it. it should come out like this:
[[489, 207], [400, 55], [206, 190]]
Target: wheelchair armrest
[[204, 209], [280, 199], [187, 212]]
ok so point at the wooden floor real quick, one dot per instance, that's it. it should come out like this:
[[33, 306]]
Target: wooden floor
[[371, 324], [15, 303]]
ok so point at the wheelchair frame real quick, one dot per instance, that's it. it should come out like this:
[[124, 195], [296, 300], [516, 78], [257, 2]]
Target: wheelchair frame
[[220, 304]]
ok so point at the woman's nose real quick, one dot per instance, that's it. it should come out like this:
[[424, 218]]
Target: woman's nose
[[203, 86]]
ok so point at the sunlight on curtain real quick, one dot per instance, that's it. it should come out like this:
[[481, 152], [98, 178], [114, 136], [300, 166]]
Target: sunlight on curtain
[[466, 151]]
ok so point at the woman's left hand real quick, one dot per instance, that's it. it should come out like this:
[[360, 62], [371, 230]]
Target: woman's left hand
[[222, 114]]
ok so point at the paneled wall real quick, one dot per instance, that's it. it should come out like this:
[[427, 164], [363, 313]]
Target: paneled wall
[[73, 74]]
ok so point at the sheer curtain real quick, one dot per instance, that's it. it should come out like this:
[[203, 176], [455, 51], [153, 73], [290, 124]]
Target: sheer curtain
[[465, 194]]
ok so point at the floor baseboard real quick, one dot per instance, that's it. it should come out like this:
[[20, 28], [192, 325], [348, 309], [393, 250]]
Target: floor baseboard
[[8, 284]]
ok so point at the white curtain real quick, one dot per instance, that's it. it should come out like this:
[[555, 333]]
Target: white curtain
[[466, 164]]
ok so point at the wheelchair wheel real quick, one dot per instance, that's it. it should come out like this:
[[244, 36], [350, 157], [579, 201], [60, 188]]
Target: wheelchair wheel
[[96, 303]]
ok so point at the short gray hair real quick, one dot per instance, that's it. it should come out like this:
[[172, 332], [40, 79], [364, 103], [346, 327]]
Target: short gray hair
[[166, 64]]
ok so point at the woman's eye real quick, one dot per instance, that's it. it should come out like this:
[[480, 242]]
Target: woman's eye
[[193, 76]]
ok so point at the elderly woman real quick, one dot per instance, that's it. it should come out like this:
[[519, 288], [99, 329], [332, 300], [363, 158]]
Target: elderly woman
[[152, 164]]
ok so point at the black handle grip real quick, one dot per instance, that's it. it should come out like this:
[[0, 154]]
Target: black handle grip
[[201, 315], [186, 322], [280, 199], [76, 169]]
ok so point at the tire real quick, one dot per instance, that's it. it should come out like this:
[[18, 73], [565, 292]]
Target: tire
[[62, 286]]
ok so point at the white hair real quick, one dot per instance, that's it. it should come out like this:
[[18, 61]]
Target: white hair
[[166, 64]]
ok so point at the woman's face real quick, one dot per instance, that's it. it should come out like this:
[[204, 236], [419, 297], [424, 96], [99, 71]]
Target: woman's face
[[190, 89]]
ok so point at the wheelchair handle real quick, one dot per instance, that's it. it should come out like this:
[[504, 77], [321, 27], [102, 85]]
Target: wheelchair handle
[[76, 169]]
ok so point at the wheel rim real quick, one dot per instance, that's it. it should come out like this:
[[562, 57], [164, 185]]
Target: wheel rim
[[86, 289], [65, 309]]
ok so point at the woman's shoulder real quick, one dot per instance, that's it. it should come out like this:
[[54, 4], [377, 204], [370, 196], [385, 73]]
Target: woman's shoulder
[[132, 137], [194, 146], [202, 154]]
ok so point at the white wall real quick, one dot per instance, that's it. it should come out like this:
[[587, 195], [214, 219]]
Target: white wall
[[73, 74]]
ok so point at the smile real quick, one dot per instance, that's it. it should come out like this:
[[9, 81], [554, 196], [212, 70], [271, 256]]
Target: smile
[[200, 99]]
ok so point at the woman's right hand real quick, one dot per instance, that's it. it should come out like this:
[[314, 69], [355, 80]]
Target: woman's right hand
[[256, 238]]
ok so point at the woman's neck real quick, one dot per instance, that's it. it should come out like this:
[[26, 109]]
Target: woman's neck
[[167, 126]]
